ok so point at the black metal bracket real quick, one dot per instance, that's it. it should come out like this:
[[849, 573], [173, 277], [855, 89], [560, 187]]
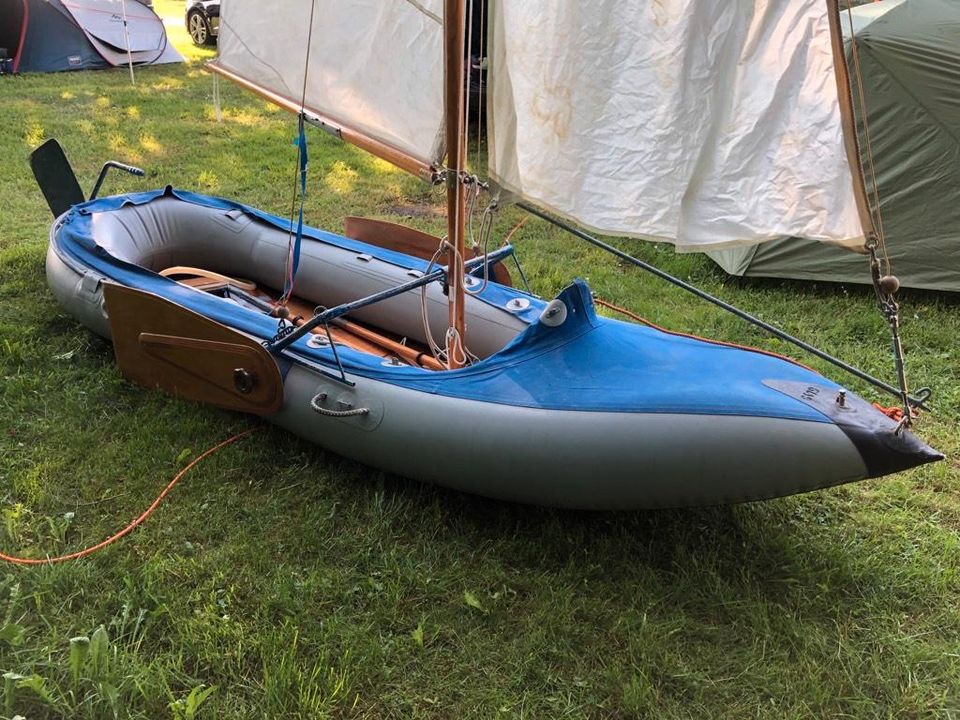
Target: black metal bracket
[[133, 170]]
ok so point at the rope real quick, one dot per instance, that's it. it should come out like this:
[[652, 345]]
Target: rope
[[438, 353], [515, 229], [293, 243], [453, 343], [894, 413], [455, 172], [129, 528], [318, 408], [482, 246], [644, 321]]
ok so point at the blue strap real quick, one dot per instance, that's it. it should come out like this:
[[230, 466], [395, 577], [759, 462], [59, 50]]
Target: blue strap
[[301, 142]]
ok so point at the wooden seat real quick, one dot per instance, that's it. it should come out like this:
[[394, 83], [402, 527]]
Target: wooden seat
[[344, 332]]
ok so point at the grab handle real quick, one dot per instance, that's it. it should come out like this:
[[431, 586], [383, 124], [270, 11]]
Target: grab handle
[[350, 412]]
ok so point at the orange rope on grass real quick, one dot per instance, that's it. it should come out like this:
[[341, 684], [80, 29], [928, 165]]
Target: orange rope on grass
[[129, 528], [514, 229]]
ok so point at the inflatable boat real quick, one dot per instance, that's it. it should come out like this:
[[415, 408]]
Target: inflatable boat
[[559, 406]]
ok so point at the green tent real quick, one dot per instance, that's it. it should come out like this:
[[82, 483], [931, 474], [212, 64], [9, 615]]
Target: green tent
[[910, 61]]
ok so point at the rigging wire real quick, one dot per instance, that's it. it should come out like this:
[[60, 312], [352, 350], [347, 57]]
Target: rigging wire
[[481, 74], [894, 413], [480, 243], [885, 285], [921, 396]]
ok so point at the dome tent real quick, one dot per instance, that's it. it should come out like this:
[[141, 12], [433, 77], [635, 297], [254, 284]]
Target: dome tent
[[52, 35], [910, 61]]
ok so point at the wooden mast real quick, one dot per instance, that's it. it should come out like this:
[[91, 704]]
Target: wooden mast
[[454, 24], [848, 120]]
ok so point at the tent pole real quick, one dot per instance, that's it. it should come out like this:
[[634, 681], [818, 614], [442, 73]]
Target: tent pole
[[126, 35], [23, 36]]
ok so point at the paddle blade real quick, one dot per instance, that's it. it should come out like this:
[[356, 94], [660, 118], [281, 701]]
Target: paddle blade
[[56, 178]]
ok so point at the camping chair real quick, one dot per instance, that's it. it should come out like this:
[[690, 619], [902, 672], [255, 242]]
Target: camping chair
[[58, 181]]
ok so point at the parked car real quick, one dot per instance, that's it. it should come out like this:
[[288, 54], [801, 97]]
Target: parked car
[[203, 21]]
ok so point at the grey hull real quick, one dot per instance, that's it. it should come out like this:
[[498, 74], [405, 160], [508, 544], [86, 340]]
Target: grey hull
[[575, 459], [590, 460]]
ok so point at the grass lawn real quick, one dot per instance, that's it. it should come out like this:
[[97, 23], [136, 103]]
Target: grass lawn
[[297, 584]]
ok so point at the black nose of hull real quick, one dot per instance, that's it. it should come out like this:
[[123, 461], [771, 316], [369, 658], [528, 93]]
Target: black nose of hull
[[884, 451], [882, 448]]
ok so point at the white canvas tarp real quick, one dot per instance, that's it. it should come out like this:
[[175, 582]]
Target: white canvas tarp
[[707, 123], [376, 66], [909, 60]]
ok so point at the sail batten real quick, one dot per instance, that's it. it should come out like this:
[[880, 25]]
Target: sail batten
[[705, 124], [375, 66]]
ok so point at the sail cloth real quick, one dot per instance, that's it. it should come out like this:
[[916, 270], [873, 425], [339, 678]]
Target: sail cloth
[[705, 123], [909, 55], [375, 66]]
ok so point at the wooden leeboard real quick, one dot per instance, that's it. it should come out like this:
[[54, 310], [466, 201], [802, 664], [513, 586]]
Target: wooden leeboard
[[159, 344], [410, 241]]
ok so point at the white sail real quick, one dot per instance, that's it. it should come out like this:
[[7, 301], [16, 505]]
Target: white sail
[[706, 123], [375, 66]]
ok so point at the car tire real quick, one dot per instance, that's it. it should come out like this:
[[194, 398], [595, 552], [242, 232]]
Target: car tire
[[199, 29]]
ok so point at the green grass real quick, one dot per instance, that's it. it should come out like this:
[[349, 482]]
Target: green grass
[[299, 584]]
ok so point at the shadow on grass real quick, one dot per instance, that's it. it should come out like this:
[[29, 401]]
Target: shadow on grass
[[777, 551]]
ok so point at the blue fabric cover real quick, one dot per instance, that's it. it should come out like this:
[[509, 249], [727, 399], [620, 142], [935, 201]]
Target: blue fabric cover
[[589, 363]]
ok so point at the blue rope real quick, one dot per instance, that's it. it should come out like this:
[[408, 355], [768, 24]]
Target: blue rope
[[301, 142]]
